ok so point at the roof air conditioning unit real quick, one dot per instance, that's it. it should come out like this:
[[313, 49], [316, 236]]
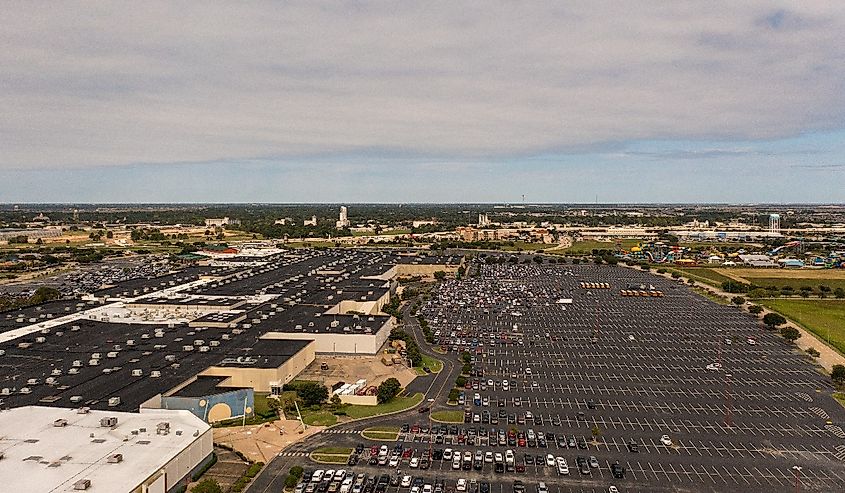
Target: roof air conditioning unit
[[109, 422], [115, 458], [82, 484]]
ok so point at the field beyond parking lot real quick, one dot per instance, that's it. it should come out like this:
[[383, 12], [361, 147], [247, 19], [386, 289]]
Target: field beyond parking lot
[[824, 318]]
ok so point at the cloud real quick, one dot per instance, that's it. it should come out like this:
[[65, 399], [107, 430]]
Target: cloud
[[85, 85]]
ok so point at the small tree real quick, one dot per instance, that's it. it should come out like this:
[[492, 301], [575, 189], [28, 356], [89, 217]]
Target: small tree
[[388, 390], [813, 352], [440, 275], [755, 309], [773, 320], [312, 393], [839, 293], [838, 374], [790, 333], [208, 485], [738, 300], [596, 432]]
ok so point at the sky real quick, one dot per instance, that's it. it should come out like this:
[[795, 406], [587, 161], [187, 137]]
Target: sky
[[641, 101]]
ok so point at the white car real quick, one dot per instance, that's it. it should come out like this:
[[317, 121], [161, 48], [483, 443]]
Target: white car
[[427, 488], [394, 461], [415, 462], [665, 440], [415, 489], [550, 460], [406, 481], [462, 485], [562, 466], [488, 457], [751, 341], [447, 454], [613, 489], [714, 366], [542, 488]]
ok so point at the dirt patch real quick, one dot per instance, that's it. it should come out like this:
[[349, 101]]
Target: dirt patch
[[265, 441], [350, 369]]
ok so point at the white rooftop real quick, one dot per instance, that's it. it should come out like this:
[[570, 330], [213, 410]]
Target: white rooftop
[[39, 456]]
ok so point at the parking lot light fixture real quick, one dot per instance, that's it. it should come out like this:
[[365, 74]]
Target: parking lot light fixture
[[797, 470]]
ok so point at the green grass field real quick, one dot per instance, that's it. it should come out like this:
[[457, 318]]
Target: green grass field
[[797, 283], [824, 318], [435, 365], [448, 416], [319, 418], [396, 404]]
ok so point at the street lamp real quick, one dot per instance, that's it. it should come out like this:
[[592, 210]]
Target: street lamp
[[797, 470], [728, 413]]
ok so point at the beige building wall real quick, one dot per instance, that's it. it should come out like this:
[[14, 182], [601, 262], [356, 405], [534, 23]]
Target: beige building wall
[[359, 400], [341, 343], [259, 378]]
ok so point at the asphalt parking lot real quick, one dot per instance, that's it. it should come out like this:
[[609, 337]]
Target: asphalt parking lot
[[595, 372]]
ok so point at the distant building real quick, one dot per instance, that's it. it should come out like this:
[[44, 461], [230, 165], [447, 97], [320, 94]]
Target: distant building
[[758, 261], [774, 224], [41, 218], [220, 222], [483, 221], [283, 221], [343, 219], [310, 222]]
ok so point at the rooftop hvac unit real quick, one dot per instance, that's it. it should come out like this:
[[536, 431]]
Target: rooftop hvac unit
[[60, 423], [187, 348], [137, 372], [114, 401], [32, 381], [93, 362], [155, 374], [50, 381], [82, 484], [2, 352], [204, 349], [163, 428], [77, 363], [40, 340], [111, 354], [73, 371], [75, 399], [25, 390], [170, 357], [109, 422], [115, 458], [95, 356], [56, 372], [75, 328], [5, 391]]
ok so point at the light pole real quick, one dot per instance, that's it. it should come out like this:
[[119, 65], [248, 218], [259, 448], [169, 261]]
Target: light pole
[[728, 410], [797, 470]]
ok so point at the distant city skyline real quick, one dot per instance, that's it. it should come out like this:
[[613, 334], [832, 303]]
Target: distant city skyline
[[436, 102]]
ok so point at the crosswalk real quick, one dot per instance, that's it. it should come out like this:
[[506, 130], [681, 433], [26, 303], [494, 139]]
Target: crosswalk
[[836, 430], [293, 454], [342, 432], [840, 452]]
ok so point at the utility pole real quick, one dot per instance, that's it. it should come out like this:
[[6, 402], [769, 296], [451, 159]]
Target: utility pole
[[304, 426], [797, 470]]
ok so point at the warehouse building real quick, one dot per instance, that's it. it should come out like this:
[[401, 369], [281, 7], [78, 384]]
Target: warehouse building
[[48, 450]]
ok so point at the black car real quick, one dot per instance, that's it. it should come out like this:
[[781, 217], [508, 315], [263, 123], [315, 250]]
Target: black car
[[405, 428], [571, 442], [353, 460], [394, 480], [499, 468], [633, 447], [359, 448], [518, 487], [373, 460], [591, 404], [528, 459], [582, 443], [484, 487], [437, 454], [583, 465], [618, 470]]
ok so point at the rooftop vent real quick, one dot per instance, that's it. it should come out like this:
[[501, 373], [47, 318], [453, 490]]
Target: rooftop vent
[[59, 423], [82, 484], [115, 458], [109, 422]]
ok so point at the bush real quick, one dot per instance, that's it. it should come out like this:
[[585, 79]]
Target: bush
[[773, 320], [790, 333], [738, 300], [461, 381], [813, 352], [755, 309], [734, 287], [207, 486], [838, 374], [454, 394]]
